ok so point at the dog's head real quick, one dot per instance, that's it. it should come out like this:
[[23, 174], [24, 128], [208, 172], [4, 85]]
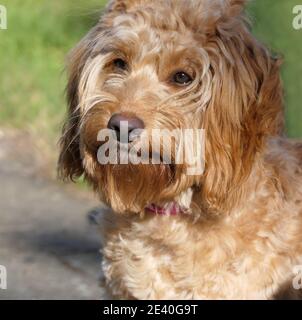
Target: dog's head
[[174, 65]]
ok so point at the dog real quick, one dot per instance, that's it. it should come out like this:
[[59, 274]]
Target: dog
[[232, 232]]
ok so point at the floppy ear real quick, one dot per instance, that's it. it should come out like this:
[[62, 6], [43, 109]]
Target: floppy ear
[[122, 6], [208, 16], [246, 108], [117, 5], [225, 15], [70, 162]]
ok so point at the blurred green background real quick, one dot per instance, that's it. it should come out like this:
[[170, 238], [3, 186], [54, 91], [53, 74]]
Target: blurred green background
[[41, 32]]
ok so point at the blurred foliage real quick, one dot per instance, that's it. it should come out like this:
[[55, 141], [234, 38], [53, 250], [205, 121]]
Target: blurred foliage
[[272, 23], [32, 58], [41, 32]]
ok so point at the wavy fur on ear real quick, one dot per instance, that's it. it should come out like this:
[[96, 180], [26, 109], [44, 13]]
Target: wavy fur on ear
[[246, 108], [70, 161], [205, 14]]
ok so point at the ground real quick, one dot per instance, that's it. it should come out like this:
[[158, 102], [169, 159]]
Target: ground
[[47, 245]]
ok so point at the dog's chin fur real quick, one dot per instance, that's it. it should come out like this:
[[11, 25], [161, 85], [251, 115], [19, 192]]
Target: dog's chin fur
[[239, 235], [129, 189]]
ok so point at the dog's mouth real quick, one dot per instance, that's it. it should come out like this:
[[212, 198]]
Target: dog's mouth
[[131, 153], [144, 148], [134, 177]]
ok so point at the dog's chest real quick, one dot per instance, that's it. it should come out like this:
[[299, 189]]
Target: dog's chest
[[172, 258]]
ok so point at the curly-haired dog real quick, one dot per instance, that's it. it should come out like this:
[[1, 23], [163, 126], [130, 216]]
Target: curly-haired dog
[[235, 232]]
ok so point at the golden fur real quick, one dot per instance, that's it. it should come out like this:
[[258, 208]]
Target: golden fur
[[242, 233]]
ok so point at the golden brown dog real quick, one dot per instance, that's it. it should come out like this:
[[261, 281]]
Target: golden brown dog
[[234, 232]]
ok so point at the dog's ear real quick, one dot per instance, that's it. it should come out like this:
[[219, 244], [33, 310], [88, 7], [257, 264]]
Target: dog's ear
[[117, 5], [211, 16], [70, 162], [121, 6], [201, 15], [246, 108]]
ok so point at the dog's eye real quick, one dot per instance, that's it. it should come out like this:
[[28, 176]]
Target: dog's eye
[[182, 78], [120, 64]]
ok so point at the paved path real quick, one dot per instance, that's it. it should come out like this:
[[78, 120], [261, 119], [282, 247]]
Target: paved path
[[46, 243]]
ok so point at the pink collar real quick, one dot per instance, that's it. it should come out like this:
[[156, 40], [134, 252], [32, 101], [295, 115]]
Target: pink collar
[[171, 209]]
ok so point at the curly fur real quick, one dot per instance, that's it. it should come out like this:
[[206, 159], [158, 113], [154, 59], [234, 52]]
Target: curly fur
[[241, 236]]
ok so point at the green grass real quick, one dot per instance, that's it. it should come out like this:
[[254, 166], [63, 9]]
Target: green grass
[[41, 32], [32, 57], [273, 25]]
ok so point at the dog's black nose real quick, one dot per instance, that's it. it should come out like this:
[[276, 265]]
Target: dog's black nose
[[131, 126]]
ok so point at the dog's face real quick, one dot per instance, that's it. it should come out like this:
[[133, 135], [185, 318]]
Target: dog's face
[[169, 65]]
